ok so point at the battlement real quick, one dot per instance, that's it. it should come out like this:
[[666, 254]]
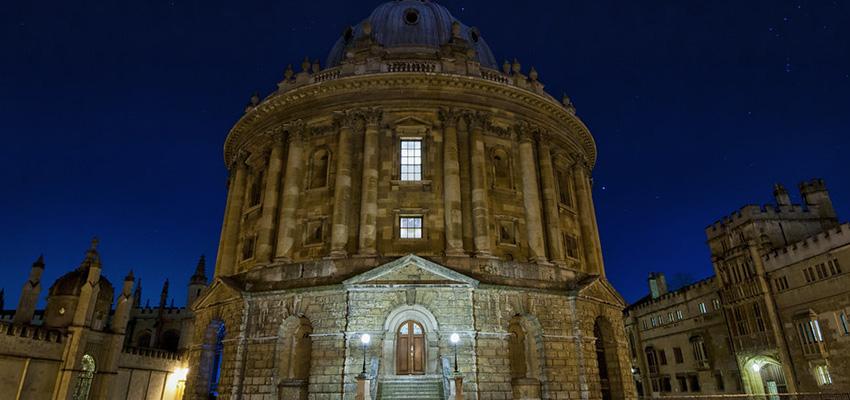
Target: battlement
[[31, 332], [814, 185], [672, 295], [808, 247], [763, 212], [154, 311]]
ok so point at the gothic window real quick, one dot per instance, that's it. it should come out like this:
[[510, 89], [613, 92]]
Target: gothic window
[[662, 357], [822, 375], [702, 309], [170, 340], [256, 194], [565, 195], [411, 159], [319, 167], [651, 360], [144, 340], [410, 227], [501, 167], [571, 246], [810, 335], [759, 319], [85, 378], [248, 247]]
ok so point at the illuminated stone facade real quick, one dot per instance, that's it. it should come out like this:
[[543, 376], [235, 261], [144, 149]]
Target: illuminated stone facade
[[410, 189]]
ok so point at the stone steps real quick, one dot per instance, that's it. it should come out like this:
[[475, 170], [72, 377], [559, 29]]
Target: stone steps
[[412, 388]]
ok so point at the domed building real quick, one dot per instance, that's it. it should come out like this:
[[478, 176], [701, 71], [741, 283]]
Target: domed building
[[412, 191]]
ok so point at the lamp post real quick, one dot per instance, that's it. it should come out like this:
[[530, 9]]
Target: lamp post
[[364, 339], [455, 338]]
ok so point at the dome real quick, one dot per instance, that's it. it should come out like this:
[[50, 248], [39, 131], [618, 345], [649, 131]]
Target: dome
[[412, 24], [71, 283]]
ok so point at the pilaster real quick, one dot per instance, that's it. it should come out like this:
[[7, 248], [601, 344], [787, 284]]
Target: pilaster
[[346, 122], [451, 184], [550, 200], [226, 260], [480, 206], [287, 224], [369, 185], [531, 194], [271, 196]]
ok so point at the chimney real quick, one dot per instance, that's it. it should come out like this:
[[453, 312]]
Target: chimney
[[657, 284]]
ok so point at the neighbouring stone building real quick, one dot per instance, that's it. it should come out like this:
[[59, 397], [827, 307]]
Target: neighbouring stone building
[[410, 189], [679, 341], [80, 347], [781, 285]]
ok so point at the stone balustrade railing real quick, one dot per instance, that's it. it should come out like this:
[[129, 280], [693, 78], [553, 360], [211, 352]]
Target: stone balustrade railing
[[153, 353]]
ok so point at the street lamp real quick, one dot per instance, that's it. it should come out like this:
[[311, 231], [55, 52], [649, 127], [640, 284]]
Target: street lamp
[[364, 339], [455, 338]]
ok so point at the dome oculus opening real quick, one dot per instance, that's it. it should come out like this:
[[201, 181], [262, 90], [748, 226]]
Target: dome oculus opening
[[411, 16]]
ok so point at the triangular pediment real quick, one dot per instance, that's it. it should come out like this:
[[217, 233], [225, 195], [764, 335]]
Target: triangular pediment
[[220, 291], [411, 270], [411, 121], [598, 288]]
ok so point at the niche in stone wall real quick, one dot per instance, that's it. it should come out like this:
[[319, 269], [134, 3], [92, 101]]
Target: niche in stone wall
[[319, 168], [525, 353], [293, 357]]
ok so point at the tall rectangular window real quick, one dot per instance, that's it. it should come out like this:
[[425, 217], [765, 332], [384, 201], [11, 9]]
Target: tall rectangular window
[[410, 227], [845, 326], [411, 159], [677, 354], [702, 309], [571, 246]]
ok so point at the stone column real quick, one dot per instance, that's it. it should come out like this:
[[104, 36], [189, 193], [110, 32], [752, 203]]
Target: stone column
[[480, 206], [265, 246], [226, 260], [369, 185], [531, 195], [286, 228], [550, 200], [451, 184], [342, 187], [587, 220]]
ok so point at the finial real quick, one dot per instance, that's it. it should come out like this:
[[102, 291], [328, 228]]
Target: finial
[[316, 66], [506, 67], [39, 263], [289, 72], [94, 243], [516, 67], [456, 29], [129, 277], [255, 99], [305, 65], [367, 28], [533, 74]]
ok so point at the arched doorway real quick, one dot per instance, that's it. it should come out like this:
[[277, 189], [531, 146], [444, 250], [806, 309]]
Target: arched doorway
[[410, 349], [604, 380], [764, 375], [609, 370]]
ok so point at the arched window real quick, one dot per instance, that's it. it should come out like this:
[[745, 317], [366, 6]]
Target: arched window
[[319, 166], [604, 381], [144, 340], [501, 164], [85, 378]]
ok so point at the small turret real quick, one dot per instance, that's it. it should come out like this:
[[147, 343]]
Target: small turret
[[816, 198], [163, 296], [197, 282], [137, 294], [123, 305], [781, 195], [657, 284], [29, 294], [90, 289]]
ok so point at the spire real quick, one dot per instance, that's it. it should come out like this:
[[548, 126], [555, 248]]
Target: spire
[[200, 275], [92, 257], [39, 263], [163, 297], [130, 276], [137, 294]]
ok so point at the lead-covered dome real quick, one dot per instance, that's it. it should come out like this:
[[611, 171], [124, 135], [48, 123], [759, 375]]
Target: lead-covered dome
[[412, 24]]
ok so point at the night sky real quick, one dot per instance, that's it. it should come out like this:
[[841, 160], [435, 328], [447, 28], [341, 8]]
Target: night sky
[[114, 114]]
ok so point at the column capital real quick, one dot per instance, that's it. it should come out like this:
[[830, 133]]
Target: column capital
[[295, 131], [580, 161], [449, 116], [372, 116], [240, 161], [525, 131], [345, 119], [478, 119]]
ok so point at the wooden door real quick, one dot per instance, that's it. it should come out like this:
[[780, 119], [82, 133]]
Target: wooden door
[[410, 349]]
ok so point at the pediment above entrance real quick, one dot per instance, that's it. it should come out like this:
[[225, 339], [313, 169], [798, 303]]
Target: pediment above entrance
[[411, 270], [600, 289], [221, 290]]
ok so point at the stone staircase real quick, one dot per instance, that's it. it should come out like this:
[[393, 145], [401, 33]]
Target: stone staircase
[[411, 388]]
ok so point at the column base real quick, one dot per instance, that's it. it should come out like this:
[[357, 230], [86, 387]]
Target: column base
[[337, 254], [282, 260], [485, 255], [456, 253], [368, 254]]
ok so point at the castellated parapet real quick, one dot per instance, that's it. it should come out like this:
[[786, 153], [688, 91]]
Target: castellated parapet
[[812, 246]]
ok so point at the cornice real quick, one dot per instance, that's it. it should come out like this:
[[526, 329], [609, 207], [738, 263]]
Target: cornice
[[282, 101]]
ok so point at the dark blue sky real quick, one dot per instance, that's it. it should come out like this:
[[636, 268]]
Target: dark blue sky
[[114, 114]]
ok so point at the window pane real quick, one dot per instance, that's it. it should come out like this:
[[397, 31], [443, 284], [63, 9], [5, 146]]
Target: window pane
[[410, 227], [411, 160]]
